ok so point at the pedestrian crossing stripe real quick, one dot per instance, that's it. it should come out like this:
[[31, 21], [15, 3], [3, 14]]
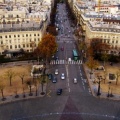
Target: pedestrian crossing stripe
[[65, 62]]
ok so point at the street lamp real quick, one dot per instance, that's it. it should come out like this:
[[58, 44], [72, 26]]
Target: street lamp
[[99, 78]]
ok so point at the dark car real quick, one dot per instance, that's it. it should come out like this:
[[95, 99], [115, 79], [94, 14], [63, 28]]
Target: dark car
[[59, 91], [50, 76], [54, 79]]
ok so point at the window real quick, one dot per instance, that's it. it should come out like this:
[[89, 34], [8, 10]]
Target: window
[[26, 35], [116, 41], [112, 41], [0, 36], [23, 45], [18, 35], [14, 35], [23, 35], [9, 41], [9, 36], [30, 34], [34, 34], [15, 46], [38, 35], [6, 36], [19, 46], [10, 46]]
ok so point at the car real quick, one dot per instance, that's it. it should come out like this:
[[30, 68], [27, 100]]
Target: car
[[56, 72], [75, 80], [54, 79], [56, 58], [59, 91], [62, 76], [50, 76]]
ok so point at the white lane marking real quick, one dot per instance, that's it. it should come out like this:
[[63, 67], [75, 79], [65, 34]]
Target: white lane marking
[[80, 74], [69, 89], [82, 82]]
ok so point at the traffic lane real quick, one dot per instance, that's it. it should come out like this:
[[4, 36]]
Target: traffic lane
[[49, 108], [74, 73], [69, 47], [84, 79], [25, 110], [60, 83]]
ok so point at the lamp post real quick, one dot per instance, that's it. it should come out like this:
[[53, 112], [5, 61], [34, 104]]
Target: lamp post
[[99, 78]]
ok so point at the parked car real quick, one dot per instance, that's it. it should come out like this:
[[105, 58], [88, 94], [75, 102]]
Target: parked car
[[62, 76], [54, 79], [56, 72], [59, 91], [50, 76], [75, 80]]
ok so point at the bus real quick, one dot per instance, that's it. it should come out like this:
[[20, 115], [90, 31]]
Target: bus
[[75, 55]]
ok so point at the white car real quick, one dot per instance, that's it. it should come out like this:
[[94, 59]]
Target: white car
[[62, 76], [56, 72], [75, 80]]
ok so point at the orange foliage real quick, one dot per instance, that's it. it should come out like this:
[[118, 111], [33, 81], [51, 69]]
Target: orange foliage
[[47, 46]]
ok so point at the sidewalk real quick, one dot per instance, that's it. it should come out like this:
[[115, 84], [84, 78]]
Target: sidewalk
[[94, 87], [12, 98]]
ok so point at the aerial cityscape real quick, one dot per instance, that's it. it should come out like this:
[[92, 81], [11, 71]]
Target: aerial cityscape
[[59, 59]]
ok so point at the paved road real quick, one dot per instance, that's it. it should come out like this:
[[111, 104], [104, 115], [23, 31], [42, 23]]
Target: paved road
[[76, 102]]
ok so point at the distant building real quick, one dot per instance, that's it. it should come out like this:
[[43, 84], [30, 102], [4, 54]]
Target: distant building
[[21, 28]]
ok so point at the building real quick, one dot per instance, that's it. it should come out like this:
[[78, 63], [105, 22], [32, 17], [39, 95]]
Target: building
[[22, 27]]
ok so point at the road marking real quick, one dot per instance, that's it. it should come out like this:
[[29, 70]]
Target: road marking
[[82, 82], [80, 74], [69, 89], [84, 87], [48, 94]]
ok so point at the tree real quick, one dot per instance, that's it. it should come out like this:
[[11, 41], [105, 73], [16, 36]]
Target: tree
[[2, 87], [104, 57], [42, 80], [36, 86], [29, 83], [47, 46], [90, 52], [91, 64], [22, 75], [117, 76], [10, 74]]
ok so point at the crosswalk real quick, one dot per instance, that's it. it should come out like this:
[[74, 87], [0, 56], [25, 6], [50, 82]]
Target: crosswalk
[[65, 62], [66, 41]]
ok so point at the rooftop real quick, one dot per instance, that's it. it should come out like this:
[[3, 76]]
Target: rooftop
[[102, 26]]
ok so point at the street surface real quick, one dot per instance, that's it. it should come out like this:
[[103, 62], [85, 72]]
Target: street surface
[[76, 102]]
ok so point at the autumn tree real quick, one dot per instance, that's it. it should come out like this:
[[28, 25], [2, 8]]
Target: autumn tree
[[117, 76], [47, 46], [22, 75], [42, 80], [29, 83], [91, 64], [52, 30], [90, 52], [10, 74], [100, 48], [2, 87]]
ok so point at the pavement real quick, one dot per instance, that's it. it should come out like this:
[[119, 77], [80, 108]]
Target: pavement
[[94, 87]]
